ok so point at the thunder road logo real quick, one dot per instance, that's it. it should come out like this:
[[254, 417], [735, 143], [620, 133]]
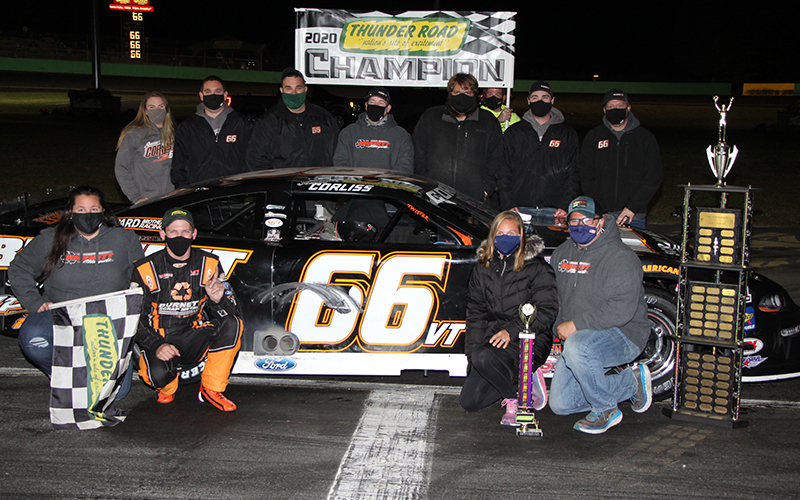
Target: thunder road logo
[[407, 36]]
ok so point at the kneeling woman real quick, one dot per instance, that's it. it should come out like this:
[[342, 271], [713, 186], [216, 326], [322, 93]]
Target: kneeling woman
[[507, 275]]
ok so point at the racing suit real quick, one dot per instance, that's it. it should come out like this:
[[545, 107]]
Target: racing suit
[[177, 311]]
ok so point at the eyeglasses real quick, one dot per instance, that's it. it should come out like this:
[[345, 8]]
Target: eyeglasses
[[586, 221]]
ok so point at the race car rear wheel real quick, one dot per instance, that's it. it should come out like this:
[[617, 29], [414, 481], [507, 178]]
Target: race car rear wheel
[[659, 354]]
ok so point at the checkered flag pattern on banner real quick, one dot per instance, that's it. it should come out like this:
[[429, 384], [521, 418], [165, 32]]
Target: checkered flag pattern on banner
[[92, 344]]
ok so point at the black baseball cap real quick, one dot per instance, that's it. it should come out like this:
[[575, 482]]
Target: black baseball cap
[[379, 92], [174, 214]]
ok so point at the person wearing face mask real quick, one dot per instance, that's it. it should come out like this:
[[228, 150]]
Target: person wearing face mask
[[375, 140], [602, 322], [211, 143], [87, 253], [508, 274], [144, 150], [295, 132], [189, 314], [621, 163], [541, 156], [494, 101], [459, 144]]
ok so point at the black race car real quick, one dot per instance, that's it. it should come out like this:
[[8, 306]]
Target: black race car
[[369, 269]]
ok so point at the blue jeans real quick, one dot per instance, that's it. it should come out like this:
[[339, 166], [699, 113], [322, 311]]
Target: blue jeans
[[36, 341], [579, 383]]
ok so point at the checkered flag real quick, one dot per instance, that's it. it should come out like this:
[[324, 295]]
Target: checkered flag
[[92, 344]]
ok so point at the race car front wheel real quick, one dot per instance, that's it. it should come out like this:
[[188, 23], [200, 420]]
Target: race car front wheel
[[659, 354]]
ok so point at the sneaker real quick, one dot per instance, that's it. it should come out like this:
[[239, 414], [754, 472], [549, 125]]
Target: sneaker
[[643, 396], [215, 398], [597, 422], [510, 417], [538, 391], [164, 399]]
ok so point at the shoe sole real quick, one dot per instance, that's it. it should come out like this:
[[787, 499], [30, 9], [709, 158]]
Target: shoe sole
[[543, 403], [617, 418], [648, 393]]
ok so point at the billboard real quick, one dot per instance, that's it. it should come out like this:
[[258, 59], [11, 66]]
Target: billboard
[[409, 49]]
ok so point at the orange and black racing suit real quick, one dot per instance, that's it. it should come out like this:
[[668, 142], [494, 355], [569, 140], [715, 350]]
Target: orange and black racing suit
[[176, 310]]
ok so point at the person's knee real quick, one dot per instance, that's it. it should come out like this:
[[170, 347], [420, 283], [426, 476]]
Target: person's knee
[[468, 402], [481, 357], [557, 406]]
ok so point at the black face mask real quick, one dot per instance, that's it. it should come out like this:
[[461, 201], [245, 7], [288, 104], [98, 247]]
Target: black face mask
[[178, 245], [493, 102], [89, 222], [616, 116], [375, 112], [462, 103], [213, 101], [540, 108]]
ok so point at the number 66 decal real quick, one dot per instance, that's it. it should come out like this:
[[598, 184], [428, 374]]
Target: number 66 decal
[[401, 298]]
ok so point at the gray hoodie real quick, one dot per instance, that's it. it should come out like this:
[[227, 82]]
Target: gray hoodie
[[600, 286], [102, 264], [143, 164]]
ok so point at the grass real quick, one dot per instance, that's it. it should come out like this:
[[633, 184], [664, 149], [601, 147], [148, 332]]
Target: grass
[[56, 149]]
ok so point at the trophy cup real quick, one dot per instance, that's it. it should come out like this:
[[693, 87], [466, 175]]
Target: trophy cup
[[527, 425], [722, 156]]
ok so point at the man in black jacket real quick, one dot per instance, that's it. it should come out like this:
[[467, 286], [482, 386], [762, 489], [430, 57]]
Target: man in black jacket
[[459, 143], [620, 163], [541, 157], [295, 132], [212, 142]]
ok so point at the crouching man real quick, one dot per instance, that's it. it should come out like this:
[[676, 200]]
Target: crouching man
[[188, 313], [602, 322]]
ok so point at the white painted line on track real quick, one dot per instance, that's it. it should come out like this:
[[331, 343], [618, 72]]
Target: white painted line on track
[[387, 455]]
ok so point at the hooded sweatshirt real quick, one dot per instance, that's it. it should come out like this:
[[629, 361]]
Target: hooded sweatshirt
[[143, 164], [384, 145], [495, 294], [102, 264], [600, 286]]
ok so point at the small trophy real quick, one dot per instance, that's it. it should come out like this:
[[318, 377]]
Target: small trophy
[[722, 156], [527, 425]]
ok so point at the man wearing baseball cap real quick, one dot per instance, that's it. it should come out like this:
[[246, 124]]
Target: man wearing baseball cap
[[375, 140], [602, 322], [190, 314], [541, 157], [621, 162], [294, 132]]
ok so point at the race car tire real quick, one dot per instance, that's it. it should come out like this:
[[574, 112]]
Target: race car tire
[[660, 352]]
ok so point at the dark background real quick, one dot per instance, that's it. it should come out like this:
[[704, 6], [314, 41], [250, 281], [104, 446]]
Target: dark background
[[656, 41]]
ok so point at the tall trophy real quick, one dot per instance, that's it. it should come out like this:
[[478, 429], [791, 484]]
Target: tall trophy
[[527, 424], [722, 156]]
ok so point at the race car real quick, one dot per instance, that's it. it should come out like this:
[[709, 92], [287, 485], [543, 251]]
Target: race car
[[353, 272]]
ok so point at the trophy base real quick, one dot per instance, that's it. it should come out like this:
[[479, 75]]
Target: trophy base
[[527, 424]]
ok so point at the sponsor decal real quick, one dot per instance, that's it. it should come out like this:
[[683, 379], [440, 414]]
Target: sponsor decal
[[275, 364], [273, 235], [230, 138], [276, 207], [179, 308], [372, 144], [447, 333], [165, 276], [752, 346], [656, 268], [417, 211], [181, 291], [273, 214], [753, 361], [194, 371], [749, 319], [273, 222], [572, 267], [49, 218], [8, 304], [316, 130], [405, 36], [9, 246], [88, 258], [155, 149], [100, 351], [602, 144], [144, 223], [788, 332], [339, 187], [554, 143]]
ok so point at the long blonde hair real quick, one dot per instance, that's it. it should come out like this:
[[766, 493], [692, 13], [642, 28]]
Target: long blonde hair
[[141, 120], [486, 251]]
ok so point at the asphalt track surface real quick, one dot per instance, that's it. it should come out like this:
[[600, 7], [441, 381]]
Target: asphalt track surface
[[382, 438]]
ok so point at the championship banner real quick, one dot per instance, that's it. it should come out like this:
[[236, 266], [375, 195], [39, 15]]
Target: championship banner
[[92, 344], [409, 49]]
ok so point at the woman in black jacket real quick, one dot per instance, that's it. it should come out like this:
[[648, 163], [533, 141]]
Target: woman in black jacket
[[507, 275]]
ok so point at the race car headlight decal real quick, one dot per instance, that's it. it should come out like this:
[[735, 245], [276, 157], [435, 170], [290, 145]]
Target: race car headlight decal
[[771, 303]]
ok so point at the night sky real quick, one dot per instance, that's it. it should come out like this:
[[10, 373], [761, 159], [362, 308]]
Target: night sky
[[655, 41]]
